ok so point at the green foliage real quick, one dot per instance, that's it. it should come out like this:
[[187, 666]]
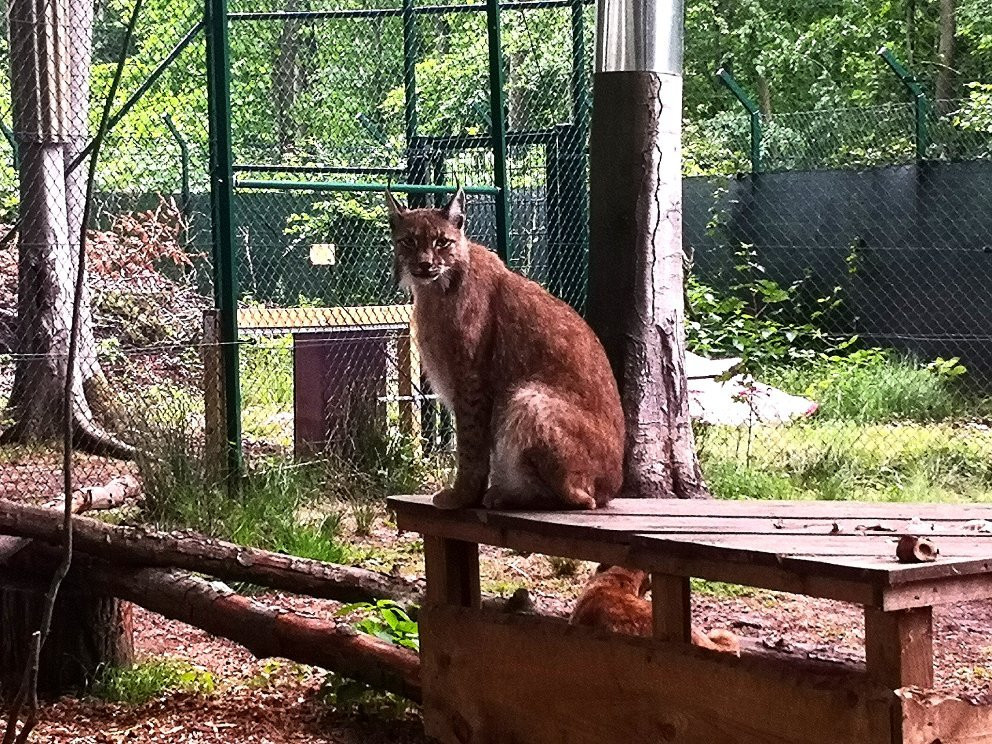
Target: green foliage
[[386, 620], [757, 318], [353, 698], [148, 680], [874, 385]]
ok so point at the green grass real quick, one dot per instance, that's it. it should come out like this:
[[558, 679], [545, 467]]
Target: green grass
[[274, 510], [872, 386], [835, 460], [148, 680]]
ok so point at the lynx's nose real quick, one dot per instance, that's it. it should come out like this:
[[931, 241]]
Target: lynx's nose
[[424, 267]]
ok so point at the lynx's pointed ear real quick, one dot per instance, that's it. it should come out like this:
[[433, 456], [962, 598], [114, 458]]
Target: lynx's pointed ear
[[395, 208], [454, 210]]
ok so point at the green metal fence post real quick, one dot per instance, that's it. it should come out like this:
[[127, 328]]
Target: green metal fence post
[[921, 104], [9, 135], [497, 107], [222, 224], [754, 114], [184, 173]]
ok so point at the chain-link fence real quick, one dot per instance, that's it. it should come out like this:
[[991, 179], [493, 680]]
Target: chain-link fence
[[851, 269]]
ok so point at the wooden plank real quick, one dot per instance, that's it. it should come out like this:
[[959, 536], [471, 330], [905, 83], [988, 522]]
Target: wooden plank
[[583, 550], [928, 718], [534, 680], [452, 571], [671, 607], [214, 431], [899, 647], [293, 318], [946, 590], [869, 545], [803, 510], [408, 370]]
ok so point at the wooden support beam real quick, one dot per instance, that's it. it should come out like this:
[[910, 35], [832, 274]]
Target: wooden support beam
[[671, 603], [899, 647], [452, 570]]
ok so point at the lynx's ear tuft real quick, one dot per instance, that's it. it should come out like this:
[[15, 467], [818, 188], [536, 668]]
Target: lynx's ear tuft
[[454, 210], [395, 208]]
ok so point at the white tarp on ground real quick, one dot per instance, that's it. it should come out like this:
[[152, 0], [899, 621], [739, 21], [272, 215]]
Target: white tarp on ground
[[739, 400]]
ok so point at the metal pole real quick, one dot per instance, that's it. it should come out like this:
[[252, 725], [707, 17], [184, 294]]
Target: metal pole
[[921, 105], [497, 113], [754, 114], [222, 224], [406, 188]]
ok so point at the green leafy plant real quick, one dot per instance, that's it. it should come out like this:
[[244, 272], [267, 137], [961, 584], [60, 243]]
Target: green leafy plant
[[386, 620], [756, 318]]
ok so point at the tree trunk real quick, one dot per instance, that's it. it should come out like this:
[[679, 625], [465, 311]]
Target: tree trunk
[[142, 546], [89, 631], [284, 79], [635, 255], [944, 84], [264, 630], [50, 60]]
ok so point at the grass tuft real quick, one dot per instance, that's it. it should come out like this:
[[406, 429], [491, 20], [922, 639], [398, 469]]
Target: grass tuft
[[148, 680]]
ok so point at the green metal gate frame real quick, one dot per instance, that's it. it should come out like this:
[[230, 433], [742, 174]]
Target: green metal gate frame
[[566, 145]]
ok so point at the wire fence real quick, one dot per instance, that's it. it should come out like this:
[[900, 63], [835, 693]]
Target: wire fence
[[850, 272]]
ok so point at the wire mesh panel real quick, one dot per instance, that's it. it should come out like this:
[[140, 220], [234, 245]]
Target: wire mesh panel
[[138, 377], [856, 276]]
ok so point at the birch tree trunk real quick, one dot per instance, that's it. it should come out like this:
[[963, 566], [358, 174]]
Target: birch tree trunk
[[635, 300], [50, 43]]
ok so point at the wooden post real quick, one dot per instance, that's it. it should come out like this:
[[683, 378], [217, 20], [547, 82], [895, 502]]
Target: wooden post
[[452, 570], [899, 647], [408, 370], [215, 442], [671, 603]]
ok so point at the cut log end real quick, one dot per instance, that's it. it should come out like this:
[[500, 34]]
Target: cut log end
[[913, 549]]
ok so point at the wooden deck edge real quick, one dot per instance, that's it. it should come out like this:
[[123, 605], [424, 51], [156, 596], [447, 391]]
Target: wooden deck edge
[[535, 680]]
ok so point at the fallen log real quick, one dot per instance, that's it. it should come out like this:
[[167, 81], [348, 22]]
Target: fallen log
[[117, 492], [139, 546], [264, 630]]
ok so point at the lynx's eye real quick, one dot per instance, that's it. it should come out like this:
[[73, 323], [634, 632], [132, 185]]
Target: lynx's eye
[[445, 244]]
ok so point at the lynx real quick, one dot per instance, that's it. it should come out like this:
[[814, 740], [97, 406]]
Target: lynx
[[537, 414], [613, 599]]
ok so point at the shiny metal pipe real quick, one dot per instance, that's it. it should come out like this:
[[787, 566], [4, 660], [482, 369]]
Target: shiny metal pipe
[[639, 36]]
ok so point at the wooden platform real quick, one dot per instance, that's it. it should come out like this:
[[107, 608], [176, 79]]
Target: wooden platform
[[498, 678]]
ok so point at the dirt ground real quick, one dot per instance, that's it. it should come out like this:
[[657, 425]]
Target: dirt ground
[[255, 701]]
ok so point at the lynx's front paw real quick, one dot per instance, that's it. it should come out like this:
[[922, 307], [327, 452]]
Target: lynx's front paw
[[449, 498]]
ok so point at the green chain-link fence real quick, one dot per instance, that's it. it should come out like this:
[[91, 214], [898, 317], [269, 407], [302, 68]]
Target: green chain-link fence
[[848, 271]]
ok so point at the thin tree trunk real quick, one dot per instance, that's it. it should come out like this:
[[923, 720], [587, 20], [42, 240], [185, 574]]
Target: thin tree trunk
[[284, 79], [636, 253], [944, 84], [50, 48]]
